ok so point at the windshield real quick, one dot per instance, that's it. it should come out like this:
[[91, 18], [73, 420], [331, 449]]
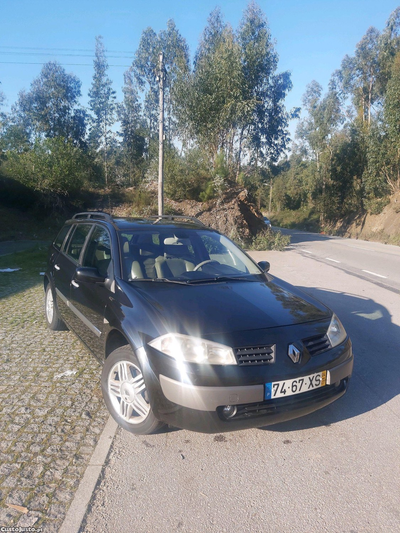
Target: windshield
[[182, 255]]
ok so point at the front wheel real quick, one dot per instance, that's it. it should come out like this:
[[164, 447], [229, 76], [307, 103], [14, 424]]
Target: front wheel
[[53, 319], [125, 393]]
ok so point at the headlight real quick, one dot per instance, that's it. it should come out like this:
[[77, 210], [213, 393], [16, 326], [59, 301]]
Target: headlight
[[194, 350], [336, 332]]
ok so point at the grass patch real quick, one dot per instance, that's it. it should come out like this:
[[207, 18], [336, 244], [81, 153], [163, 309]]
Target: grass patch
[[30, 263]]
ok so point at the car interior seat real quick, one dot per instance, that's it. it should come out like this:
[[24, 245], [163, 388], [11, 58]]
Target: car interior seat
[[176, 258]]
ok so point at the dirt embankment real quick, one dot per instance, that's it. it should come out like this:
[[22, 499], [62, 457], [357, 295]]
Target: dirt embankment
[[233, 214], [384, 227]]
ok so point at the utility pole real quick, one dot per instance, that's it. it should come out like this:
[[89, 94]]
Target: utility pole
[[270, 198], [161, 79]]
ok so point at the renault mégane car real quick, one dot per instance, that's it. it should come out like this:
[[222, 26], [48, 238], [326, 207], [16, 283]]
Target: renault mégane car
[[190, 330]]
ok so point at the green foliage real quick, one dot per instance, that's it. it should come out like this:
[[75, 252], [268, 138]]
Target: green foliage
[[233, 99], [375, 206], [268, 239], [219, 182], [186, 177], [208, 193], [132, 134], [51, 107], [348, 159], [2, 115], [227, 112], [51, 166], [145, 69], [103, 108]]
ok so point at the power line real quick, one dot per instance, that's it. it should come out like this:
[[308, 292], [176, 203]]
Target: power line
[[64, 49], [61, 64], [59, 54]]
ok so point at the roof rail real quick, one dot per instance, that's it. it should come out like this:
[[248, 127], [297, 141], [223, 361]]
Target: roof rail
[[158, 218], [99, 215]]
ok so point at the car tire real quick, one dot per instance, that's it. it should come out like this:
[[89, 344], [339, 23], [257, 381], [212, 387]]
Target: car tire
[[125, 394], [53, 320]]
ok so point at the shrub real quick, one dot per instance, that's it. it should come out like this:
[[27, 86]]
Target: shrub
[[51, 166], [268, 239]]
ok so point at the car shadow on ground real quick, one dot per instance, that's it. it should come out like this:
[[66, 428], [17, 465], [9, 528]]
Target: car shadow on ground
[[376, 342]]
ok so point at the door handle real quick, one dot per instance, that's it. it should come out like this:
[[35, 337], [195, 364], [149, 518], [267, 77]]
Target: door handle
[[74, 283], [57, 267]]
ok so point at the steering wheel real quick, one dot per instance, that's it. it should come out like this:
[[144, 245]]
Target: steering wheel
[[204, 263]]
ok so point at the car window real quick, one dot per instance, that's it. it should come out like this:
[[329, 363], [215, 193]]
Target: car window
[[77, 241], [181, 254], [98, 251], [58, 241], [218, 251]]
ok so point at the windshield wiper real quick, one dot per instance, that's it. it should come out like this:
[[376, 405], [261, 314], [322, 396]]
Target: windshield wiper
[[222, 278], [160, 280]]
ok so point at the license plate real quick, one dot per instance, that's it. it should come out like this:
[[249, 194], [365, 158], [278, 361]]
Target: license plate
[[289, 387]]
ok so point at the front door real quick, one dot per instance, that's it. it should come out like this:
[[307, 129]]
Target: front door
[[64, 270], [89, 299]]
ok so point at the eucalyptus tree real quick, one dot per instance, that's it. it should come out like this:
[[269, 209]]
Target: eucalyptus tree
[[102, 104], [264, 121], [389, 47], [51, 107], [211, 99], [362, 77], [383, 177], [131, 129], [145, 69], [233, 100], [316, 132], [2, 98], [2, 115]]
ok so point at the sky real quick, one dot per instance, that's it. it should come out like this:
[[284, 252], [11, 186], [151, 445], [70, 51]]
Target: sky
[[312, 36]]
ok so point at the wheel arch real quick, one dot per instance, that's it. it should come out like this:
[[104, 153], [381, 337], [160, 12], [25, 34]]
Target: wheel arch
[[46, 281], [115, 339]]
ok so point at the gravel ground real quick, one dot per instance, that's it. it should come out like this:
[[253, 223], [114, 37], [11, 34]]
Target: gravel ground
[[51, 409]]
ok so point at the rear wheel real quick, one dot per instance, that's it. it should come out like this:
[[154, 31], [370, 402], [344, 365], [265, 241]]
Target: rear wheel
[[53, 319], [125, 393]]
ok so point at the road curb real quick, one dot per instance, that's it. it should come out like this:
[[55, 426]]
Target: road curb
[[78, 507]]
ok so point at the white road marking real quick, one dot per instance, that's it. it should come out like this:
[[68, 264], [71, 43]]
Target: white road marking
[[334, 260], [307, 252], [375, 274]]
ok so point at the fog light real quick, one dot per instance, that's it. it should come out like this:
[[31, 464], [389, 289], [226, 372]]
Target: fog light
[[229, 411]]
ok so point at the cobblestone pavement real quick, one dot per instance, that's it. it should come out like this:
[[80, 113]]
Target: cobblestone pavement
[[51, 409]]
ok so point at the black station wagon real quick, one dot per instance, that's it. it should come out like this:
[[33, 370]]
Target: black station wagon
[[190, 330]]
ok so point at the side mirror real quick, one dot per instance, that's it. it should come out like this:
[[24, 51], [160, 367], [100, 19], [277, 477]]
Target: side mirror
[[264, 265], [90, 274]]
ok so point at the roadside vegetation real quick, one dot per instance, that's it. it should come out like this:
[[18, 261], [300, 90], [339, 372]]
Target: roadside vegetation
[[226, 125]]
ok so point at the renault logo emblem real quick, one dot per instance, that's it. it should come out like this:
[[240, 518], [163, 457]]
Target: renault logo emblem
[[294, 353]]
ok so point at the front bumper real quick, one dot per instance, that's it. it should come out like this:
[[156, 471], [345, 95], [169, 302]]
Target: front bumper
[[200, 408], [210, 398]]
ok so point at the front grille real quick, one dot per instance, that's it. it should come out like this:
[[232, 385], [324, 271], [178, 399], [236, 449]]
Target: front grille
[[255, 355], [316, 345]]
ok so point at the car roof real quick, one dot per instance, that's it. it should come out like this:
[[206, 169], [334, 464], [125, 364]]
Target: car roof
[[140, 223]]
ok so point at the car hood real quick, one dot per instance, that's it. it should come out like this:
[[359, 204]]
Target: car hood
[[219, 307]]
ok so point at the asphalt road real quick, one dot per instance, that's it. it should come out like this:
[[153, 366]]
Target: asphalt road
[[372, 260], [337, 470]]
